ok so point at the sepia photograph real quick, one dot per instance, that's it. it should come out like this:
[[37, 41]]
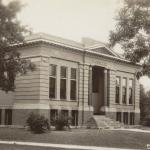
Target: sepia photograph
[[74, 74]]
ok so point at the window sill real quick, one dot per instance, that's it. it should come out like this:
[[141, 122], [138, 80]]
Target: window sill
[[124, 104], [63, 100]]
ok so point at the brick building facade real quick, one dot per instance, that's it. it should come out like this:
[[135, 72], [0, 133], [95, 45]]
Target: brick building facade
[[76, 79]]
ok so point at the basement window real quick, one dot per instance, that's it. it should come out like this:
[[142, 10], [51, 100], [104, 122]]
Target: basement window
[[8, 116]]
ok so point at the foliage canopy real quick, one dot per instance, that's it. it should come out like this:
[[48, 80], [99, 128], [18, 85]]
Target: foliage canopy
[[11, 33], [132, 32]]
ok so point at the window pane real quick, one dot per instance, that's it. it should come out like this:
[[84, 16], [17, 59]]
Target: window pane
[[117, 89], [124, 82], [124, 95], [52, 70], [117, 94], [73, 73], [52, 86], [63, 72], [130, 96], [63, 89], [73, 90]]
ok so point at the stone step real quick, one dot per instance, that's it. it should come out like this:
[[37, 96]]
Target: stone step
[[101, 121]]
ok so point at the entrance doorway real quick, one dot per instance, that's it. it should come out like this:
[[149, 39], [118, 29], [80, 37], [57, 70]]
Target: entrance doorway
[[97, 89]]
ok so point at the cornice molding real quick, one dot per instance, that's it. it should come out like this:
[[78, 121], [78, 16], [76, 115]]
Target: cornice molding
[[83, 51]]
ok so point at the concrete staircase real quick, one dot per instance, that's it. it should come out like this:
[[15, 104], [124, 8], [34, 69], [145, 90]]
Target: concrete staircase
[[101, 121]]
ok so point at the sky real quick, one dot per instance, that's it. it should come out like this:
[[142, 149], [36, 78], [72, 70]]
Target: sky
[[72, 19]]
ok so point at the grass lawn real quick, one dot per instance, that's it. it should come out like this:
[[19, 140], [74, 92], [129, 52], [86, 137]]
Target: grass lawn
[[106, 138]]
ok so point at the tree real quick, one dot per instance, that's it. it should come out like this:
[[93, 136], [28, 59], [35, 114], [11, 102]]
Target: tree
[[11, 33], [144, 105], [143, 102], [132, 32]]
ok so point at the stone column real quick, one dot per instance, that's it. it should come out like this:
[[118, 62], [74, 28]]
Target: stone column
[[105, 87], [58, 83], [43, 108], [84, 109], [90, 86], [111, 87], [120, 94], [127, 92], [68, 83]]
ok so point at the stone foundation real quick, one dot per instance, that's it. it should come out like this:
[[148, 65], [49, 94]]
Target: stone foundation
[[112, 115], [19, 116], [83, 117]]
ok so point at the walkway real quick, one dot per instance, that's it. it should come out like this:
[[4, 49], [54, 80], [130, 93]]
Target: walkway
[[61, 146]]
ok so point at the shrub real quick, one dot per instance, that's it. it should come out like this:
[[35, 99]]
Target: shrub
[[61, 122], [38, 123]]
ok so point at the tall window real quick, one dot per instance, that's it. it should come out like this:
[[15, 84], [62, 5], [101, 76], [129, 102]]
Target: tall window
[[117, 89], [63, 80], [73, 84], [130, 91], [124, 89], [52, 82]]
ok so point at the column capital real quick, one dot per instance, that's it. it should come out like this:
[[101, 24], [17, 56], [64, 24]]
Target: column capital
[[105, 70]]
